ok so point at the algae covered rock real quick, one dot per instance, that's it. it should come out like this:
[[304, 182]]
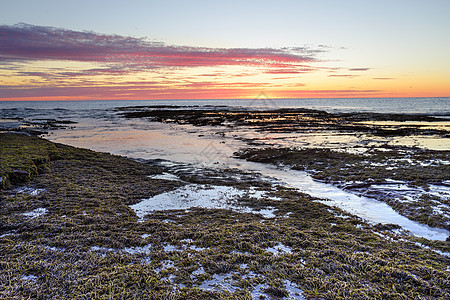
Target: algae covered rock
[[22, 157]]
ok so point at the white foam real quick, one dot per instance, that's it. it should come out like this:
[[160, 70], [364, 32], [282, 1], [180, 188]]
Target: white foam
[[279, 249], [293, 290], [221, 282], [165, 176], [138, 249], [170, 248], [29, 277], [29, 191], [38, 212]]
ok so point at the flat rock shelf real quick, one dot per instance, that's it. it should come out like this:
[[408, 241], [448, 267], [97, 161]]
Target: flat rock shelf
[[76, 227]]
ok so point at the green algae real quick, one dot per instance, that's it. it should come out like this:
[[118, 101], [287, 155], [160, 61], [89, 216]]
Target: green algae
[[90, 245], [21, 157]]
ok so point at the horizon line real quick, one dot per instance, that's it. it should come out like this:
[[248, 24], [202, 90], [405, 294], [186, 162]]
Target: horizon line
[[200, 99]]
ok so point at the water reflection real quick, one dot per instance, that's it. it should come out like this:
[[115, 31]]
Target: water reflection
[[214, 147]]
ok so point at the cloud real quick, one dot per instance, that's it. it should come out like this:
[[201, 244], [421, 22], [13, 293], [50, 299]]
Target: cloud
[[43, 63], [383, 78], [290, 71], [122, 54], [343, 75], [152, 91], [329, 93], [127, 92], [359, 69]]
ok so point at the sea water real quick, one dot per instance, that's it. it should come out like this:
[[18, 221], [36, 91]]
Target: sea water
[[435, 105]]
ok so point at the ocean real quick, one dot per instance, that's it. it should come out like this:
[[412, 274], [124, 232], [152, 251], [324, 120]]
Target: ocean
[[432, 106]]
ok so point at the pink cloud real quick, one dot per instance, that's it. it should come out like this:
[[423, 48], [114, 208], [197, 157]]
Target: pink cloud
[[290, 71], [342, 75], [114, 56], [22, 43]]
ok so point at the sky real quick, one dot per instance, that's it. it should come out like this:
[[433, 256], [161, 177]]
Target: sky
[[143, 50]]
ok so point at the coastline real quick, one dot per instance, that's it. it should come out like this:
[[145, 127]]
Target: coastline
[[70, 224], [358, 152]]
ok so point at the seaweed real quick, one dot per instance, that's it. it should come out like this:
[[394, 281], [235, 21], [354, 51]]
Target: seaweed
[[89, 244]]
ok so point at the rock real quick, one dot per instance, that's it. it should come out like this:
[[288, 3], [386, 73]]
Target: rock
[[20, 175]]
